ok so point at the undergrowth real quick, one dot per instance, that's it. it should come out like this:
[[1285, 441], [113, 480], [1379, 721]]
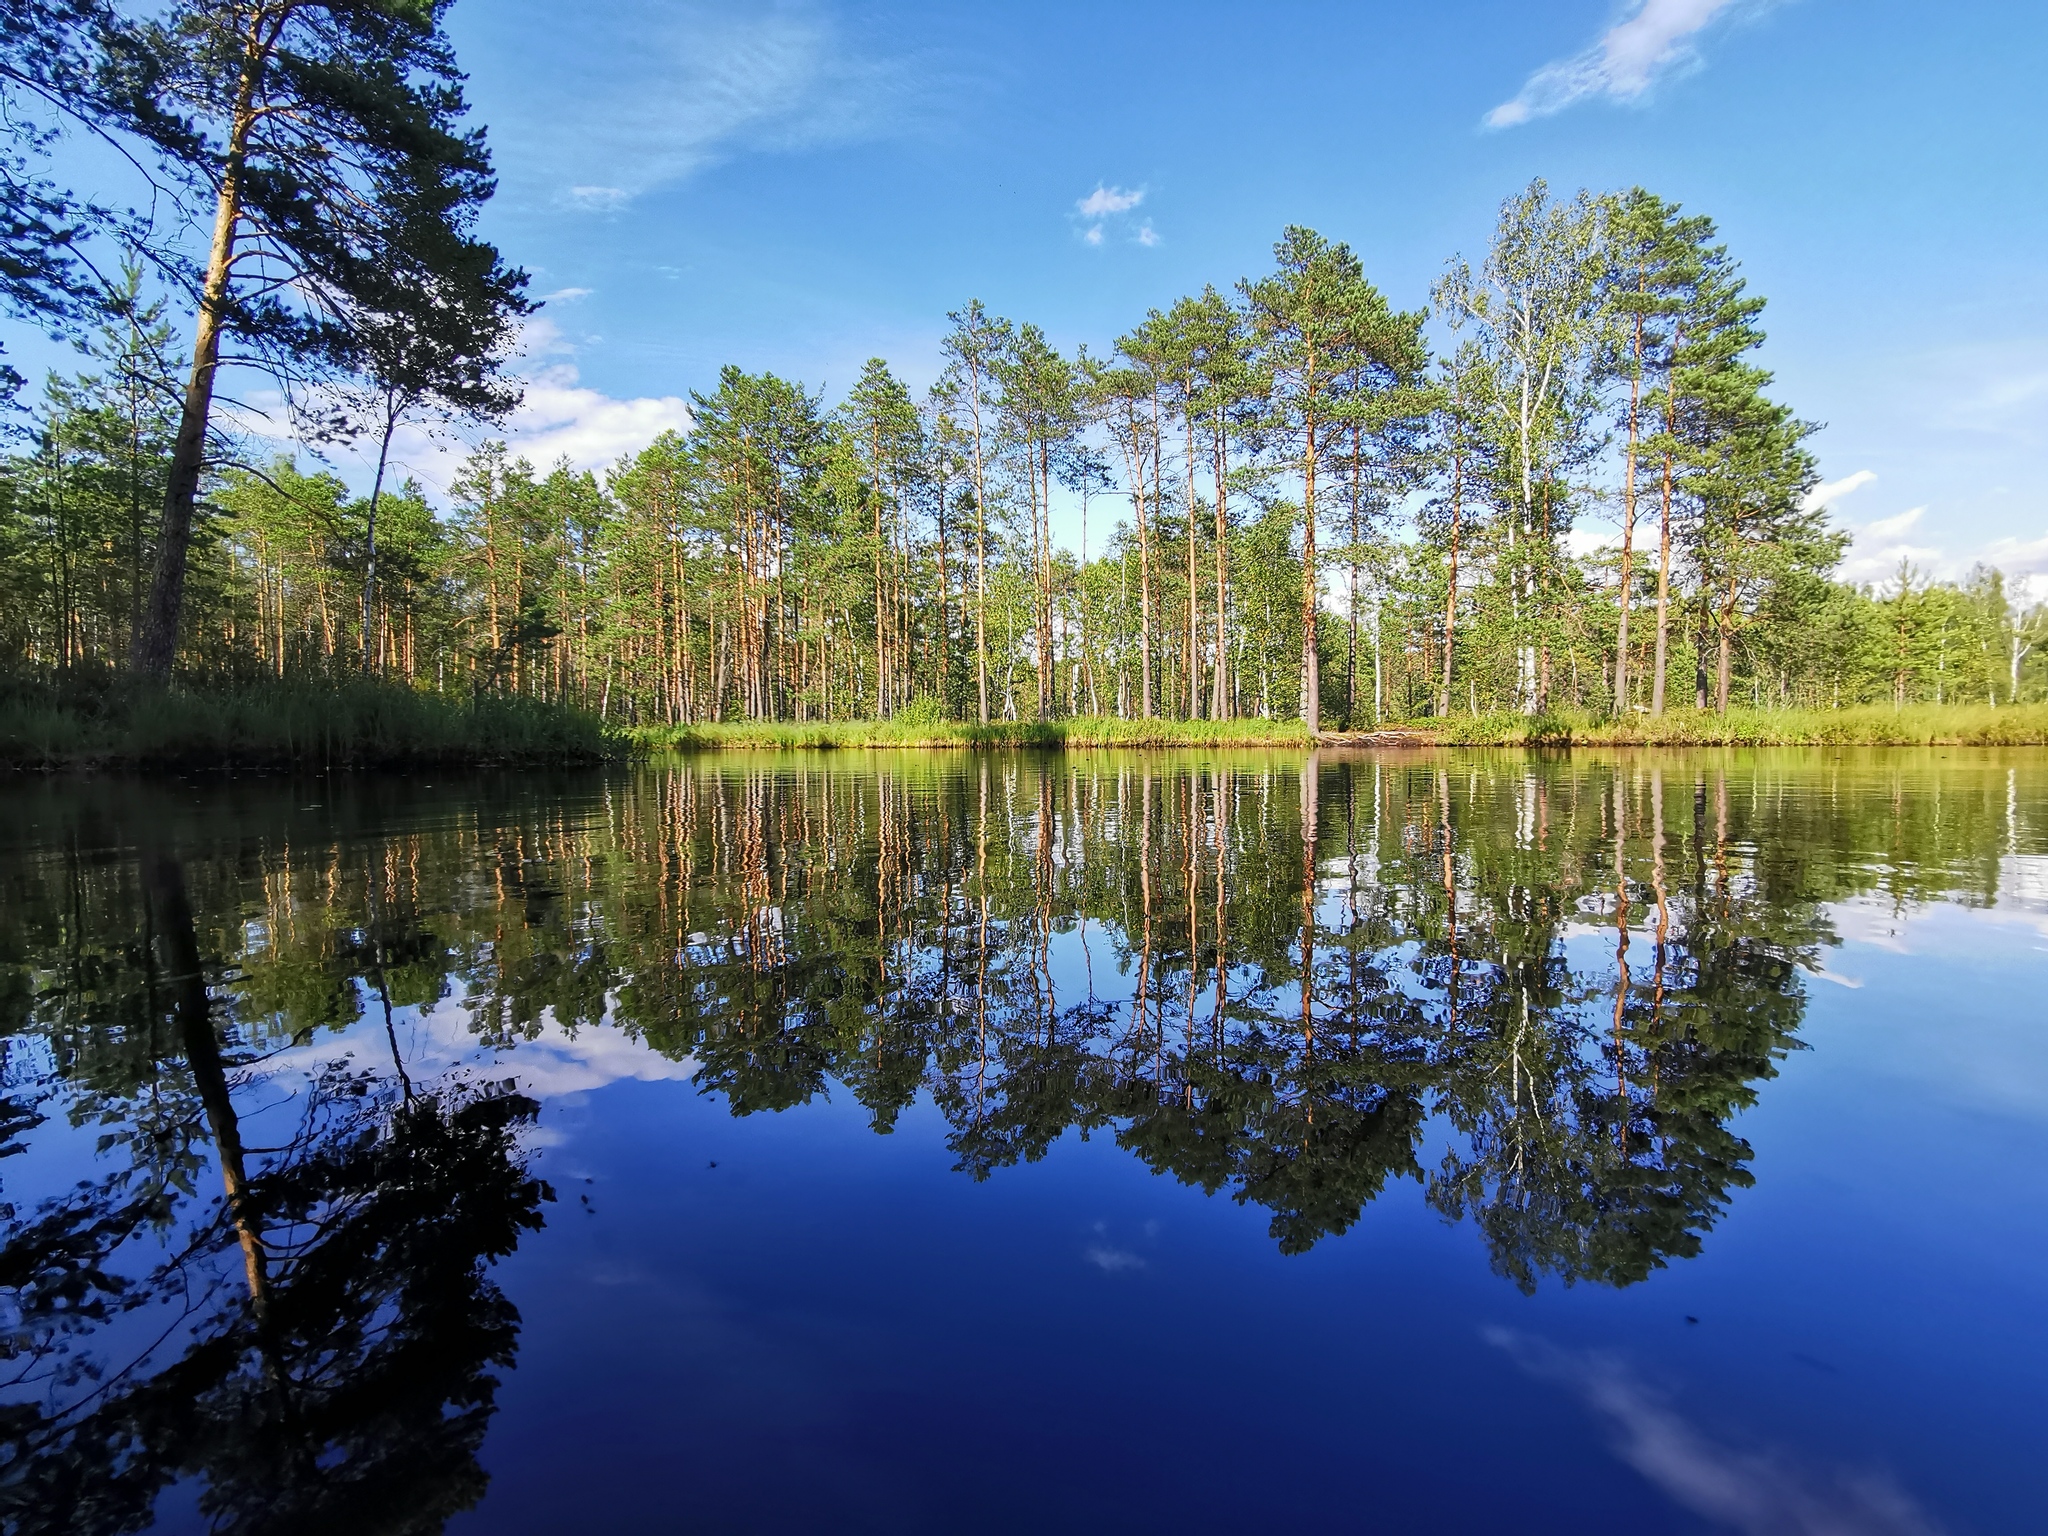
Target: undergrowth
[[1083, 731], [1922, 725], [109, 721]]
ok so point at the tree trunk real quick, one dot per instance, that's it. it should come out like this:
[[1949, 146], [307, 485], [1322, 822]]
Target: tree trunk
[[1145, 578], [980, 554], [1194, 579], [1219, 706], [1664, 547], [1628, 528], [1311, 682], [1042, 536], [156, 641], [177, 946], [1451, 600], [1351, 645], [881, 599], [1725, 625], [391, 413]]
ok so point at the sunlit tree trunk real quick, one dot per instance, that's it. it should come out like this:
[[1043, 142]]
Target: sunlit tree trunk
[[156, 641]]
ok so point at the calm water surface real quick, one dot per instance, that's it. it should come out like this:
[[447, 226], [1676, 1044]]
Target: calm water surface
[[1449, 1142]]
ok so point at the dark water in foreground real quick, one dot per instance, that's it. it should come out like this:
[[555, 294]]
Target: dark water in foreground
[[1011, 1143]]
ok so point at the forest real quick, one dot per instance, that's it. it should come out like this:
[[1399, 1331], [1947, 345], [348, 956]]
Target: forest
[[1561, 481]]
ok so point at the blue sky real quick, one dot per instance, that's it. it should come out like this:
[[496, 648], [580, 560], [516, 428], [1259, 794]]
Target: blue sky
[[800, 186]]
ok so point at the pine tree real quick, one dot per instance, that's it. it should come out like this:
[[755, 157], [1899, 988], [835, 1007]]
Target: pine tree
[[328, 135], [1317, 318], [974, 346]]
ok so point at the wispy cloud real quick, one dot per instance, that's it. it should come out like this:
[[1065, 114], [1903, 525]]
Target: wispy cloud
[[1891, 527], [2007, 406], [1112, 1261], [634, 99], [1828, 492], [599, 199], [1106, 1256], [1107, 207], [2025, 563], [1759, 1493], [1107, 200], [1654, 39]]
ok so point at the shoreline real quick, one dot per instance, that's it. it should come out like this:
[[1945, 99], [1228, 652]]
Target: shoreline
[[1862, 726], [287, 728]]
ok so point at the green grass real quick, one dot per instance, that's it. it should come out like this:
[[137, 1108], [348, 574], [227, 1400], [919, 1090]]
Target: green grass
[[1869, 725], [112, 722], [1866, 725], [106, 721], [1086, 731]]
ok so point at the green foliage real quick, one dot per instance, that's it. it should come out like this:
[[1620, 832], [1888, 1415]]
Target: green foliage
[[922, 726], [1286, 516], [1951, 725], [104, 720]]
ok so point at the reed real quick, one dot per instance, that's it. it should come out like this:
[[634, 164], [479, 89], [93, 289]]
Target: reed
[[1920, 725], [1084, 731], [109, 721]]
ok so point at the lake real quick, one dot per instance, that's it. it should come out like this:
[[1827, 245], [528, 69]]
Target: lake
[[1427, 1141]]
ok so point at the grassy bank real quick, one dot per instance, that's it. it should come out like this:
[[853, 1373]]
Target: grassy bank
[[1869, 726], [1086, 731], [300, 723], [1925, 725]]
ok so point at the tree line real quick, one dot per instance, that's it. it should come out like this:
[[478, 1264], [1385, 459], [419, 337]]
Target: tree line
[[322, 148], [1562, 482]]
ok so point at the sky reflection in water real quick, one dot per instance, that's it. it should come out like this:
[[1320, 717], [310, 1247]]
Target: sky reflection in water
[[1412, 1143]]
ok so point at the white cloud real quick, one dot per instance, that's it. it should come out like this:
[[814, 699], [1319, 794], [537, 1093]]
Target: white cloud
[[1879, 548], [549, 1064], [1880, 563], [599, 199], [559, 417], [1585, 542], [1631, 56], [1891, 527], [1107, 206], [1106, 200], [1112, 1261], [2009, 406], [2019, 556], [1828, 492], [2025, 563], [1760, 1493], [566, 295], [634, 99], [562, 419]]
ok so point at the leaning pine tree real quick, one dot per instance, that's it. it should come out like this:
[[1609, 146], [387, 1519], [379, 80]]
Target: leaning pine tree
[[345, 190]]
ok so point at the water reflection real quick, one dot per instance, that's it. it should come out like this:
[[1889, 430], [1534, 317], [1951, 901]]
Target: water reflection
[[1542, 989], [337, 1374]]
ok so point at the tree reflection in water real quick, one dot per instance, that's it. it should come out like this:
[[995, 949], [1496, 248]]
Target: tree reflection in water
[[1541, 988]]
